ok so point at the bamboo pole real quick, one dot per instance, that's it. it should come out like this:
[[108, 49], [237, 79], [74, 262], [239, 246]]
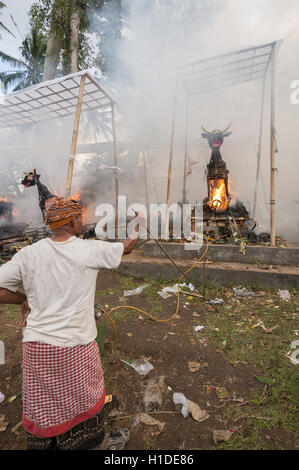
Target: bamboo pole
[[186, 149], [259, 147], [75, 138], [272, 146], [115, 172], [153, 176], [146, 187], [185, 166], [166, 232]]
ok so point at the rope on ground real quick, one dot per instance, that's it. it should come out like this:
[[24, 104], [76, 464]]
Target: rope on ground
[[108, 313]]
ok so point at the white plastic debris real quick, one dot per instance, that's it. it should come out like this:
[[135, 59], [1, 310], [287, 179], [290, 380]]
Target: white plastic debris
[[244, 293], [180, 399], [164, 294], [2, 397], [141, 367], [168, 291], [284, 294], [199, 328], [216, 302], [128, 293]]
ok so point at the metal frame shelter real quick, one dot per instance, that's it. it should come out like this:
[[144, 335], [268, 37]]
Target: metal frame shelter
[[222, 71], [64, 96]]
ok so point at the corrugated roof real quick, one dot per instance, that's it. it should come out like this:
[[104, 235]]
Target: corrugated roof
[[52, 99], [232, 68]]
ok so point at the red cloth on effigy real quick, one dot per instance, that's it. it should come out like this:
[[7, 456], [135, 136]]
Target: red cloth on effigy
[[61, 387]]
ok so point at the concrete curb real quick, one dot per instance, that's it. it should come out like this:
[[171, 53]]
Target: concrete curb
[[225, 275], [229, 253]]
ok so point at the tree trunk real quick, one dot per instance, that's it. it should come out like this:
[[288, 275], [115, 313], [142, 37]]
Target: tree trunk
[[52, 56], [76, 14], [54, 43]]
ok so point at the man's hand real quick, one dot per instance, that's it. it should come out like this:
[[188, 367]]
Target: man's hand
[[25, 310], [131, 241]]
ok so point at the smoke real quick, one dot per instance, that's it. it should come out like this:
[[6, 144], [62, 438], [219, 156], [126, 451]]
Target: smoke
[[157, 37], [156, 42]]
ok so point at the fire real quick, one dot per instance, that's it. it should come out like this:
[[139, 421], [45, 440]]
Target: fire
[[218, 200], [76, 196], [15, 213], [4, 199], [85, 212]]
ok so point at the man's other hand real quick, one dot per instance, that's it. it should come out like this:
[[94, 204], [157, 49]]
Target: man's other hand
[[25, 310]]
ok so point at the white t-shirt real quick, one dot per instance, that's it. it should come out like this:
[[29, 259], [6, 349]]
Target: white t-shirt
[[59, 280]]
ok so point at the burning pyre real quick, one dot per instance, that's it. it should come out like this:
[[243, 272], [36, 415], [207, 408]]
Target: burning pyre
[[33, 179], [217, 174], [221, 219], [6, 211]]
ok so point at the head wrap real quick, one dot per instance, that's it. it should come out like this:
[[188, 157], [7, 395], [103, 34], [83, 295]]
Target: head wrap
[[59, 211]]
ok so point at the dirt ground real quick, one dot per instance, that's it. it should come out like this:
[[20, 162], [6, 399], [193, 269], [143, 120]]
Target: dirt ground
[[232, 351]]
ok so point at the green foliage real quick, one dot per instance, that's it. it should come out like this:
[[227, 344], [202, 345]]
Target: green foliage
[[2, 25], [30, 71], [96, 17]]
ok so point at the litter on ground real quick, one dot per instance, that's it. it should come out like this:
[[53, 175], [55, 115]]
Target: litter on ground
[[284, 294], [141, 367], [168, 291], [138, 290]]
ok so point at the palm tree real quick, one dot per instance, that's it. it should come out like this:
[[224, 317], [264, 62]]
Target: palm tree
[[2, 26], [30, 70]]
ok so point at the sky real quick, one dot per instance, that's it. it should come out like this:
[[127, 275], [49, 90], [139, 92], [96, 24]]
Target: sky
[[18, 9]]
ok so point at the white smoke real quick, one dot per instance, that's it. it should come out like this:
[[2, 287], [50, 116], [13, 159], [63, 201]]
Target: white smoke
[[154, 43]]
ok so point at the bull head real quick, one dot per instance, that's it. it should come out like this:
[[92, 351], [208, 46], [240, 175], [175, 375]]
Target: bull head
[[216, 137]]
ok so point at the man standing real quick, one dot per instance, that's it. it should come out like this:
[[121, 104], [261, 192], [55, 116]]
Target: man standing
[[63, 388]]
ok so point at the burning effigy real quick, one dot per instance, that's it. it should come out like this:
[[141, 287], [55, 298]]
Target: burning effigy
[[33, 179], [217, 174], [221, 218]]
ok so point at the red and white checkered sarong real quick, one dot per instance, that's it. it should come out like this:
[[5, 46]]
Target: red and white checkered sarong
[[61, 387]]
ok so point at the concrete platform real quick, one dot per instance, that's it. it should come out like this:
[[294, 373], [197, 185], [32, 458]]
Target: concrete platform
[[255, 255], [217, 273]]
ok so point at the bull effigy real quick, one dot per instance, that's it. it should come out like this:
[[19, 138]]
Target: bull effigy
[[221, 218], [217, 174]]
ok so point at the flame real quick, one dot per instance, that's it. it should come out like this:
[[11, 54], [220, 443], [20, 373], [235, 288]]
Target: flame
[[76, 196], [4, 199], [85, 212], [218, 199], [15, 213]]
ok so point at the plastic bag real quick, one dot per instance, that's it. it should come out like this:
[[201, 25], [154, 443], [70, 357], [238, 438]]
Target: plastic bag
[[180, 399], [284, 294], [141, 367], [138, 290]]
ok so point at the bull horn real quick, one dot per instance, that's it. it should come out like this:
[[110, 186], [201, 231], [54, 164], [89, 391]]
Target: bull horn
[[225, 130], [205, 130]]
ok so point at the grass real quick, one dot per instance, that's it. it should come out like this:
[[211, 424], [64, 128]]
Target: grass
[[235, 332], [100, 339], [11, 311]]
